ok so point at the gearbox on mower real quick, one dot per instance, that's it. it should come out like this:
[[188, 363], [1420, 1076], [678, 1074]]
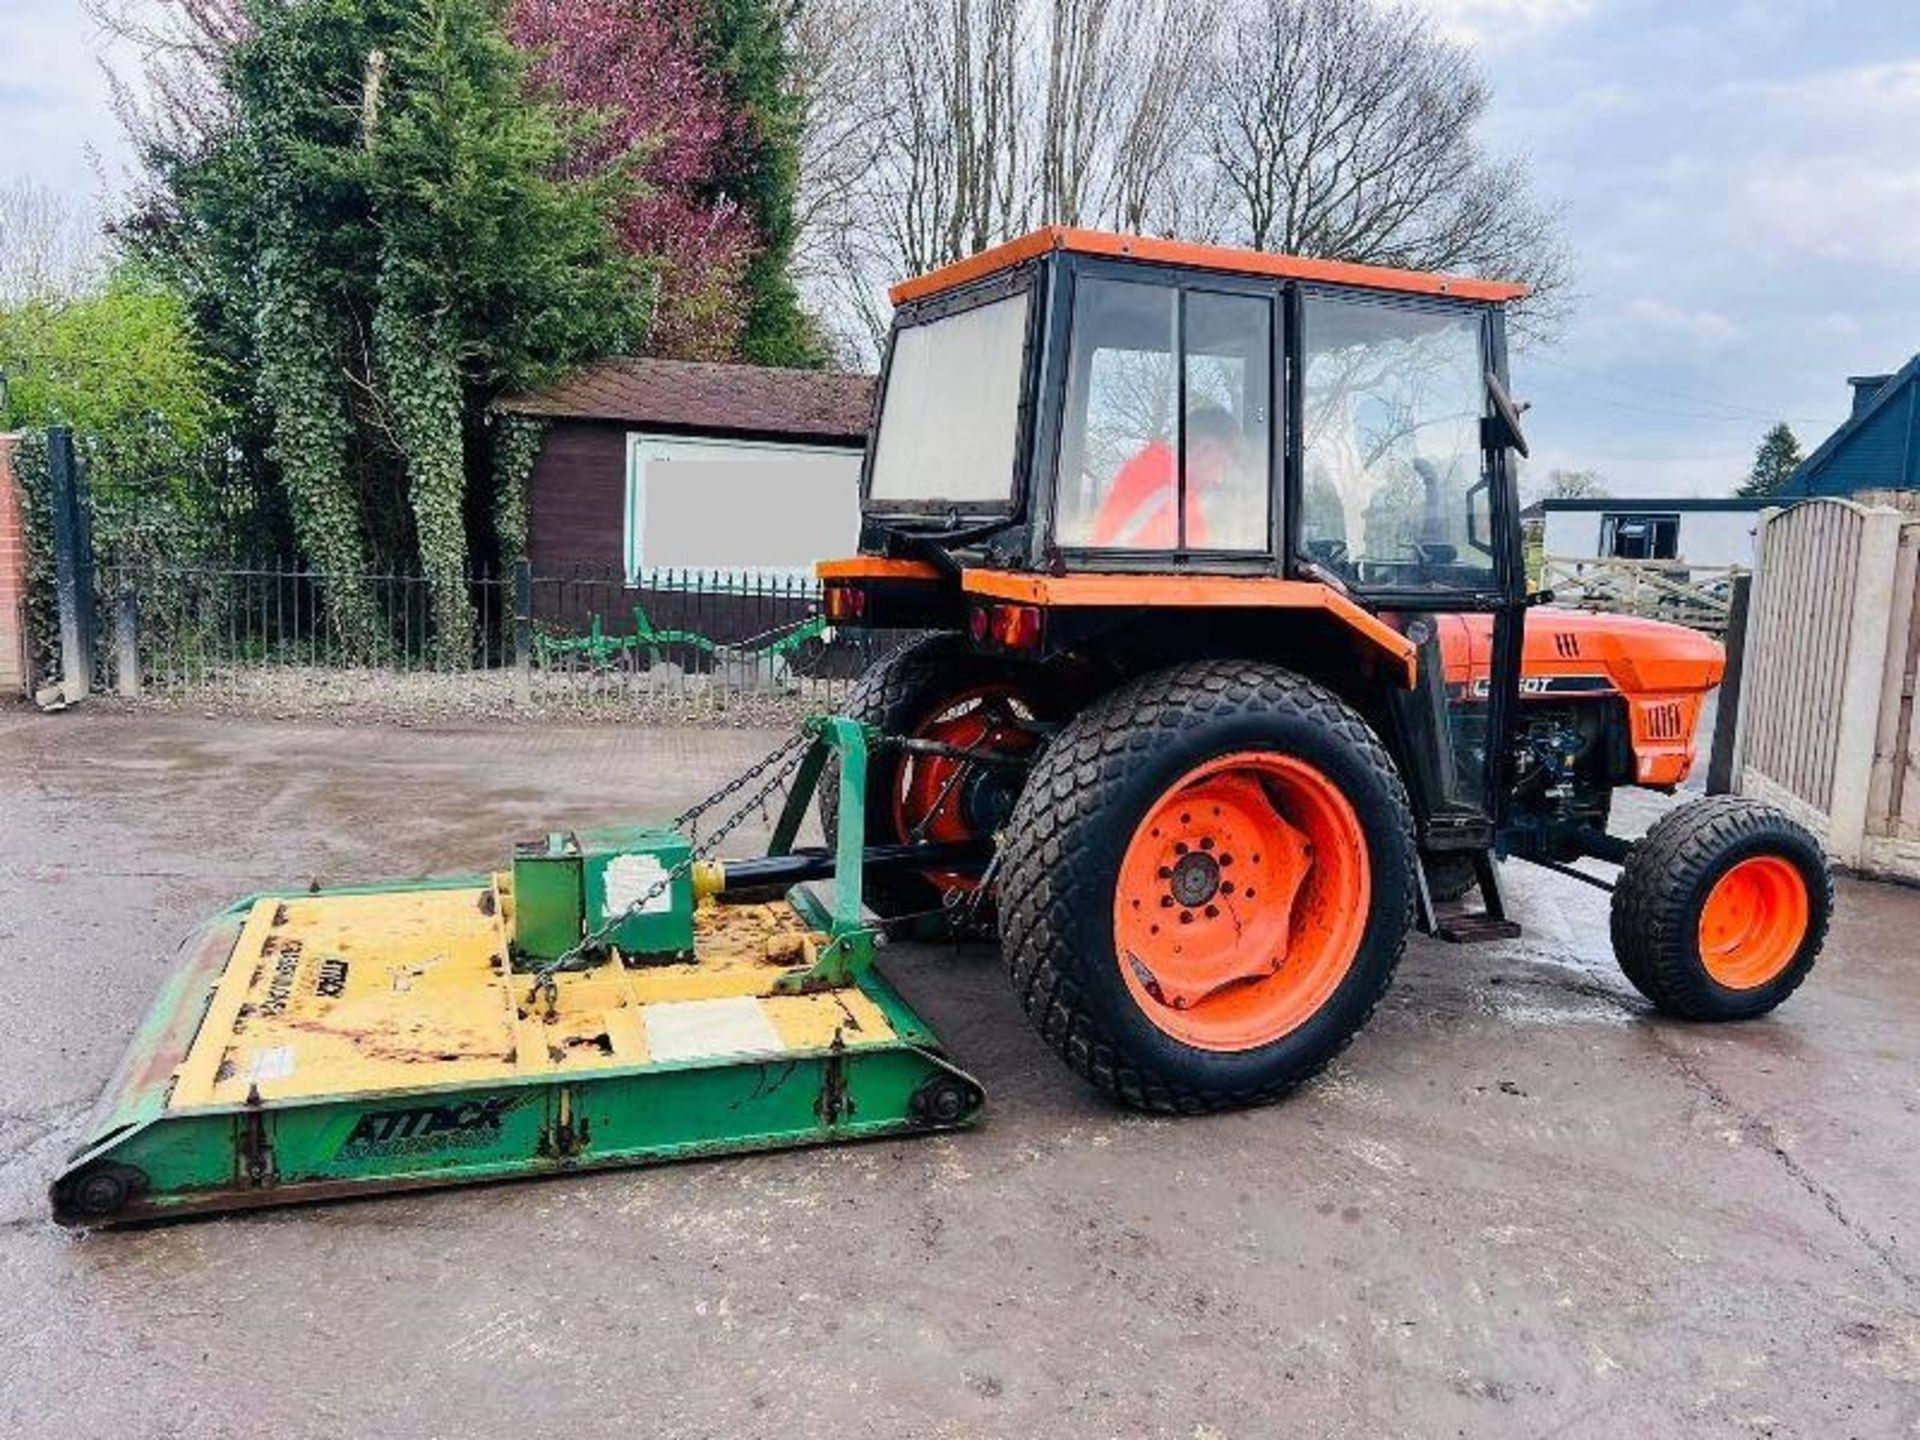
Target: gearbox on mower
[[1228, 677]]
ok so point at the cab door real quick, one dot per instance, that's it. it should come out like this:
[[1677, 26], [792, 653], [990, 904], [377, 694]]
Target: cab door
[[1398, 497]]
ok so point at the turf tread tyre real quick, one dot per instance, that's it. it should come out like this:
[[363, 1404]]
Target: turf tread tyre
[[1656, 905], [1050, 884]]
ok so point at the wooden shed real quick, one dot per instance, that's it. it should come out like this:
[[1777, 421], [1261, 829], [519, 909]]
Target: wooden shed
[[700, 495], [649, 465]]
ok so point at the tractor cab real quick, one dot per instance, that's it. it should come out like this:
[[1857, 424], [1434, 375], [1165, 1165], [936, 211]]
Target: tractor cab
[[1089, 449], [1076, 403]]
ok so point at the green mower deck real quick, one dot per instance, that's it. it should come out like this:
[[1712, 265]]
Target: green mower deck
[[390, 1037]]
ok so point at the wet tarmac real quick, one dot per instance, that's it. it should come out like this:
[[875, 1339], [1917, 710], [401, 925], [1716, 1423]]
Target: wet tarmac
[[1519, 1205]]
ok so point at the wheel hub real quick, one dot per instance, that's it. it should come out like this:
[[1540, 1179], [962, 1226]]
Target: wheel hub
[[1241, 900], [1196, 878]]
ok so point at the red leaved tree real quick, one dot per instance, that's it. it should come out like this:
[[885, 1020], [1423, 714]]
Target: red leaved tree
[[636, 67]]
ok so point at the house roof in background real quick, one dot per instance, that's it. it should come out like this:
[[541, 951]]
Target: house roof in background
[[702, 398], [1895, 386], [1658, 504]]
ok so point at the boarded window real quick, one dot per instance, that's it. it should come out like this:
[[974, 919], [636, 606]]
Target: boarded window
[[733, 506]]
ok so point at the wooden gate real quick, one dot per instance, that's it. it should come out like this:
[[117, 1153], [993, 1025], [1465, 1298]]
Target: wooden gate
[[1826, 724]]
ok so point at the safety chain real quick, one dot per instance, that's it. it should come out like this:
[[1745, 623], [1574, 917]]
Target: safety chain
[[783, 760], [783, 751], [786, 757]]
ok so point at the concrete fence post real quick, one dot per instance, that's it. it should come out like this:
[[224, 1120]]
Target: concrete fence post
[[126, 666], [72, 565], [1726, 713], [1862, 676]]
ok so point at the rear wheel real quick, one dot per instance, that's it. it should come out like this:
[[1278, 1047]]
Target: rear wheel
[[935, 689], [1206, 885], [1722, 909]]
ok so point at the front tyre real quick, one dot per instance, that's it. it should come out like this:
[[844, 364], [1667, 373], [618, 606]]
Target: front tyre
[[1721, 910], [1206, 885]]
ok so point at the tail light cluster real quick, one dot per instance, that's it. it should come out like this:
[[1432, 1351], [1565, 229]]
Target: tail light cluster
[[1011, 627], [845, 603]]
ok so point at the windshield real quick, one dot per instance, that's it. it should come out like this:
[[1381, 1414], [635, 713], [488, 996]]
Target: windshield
[[1394, 494], [949, 424]]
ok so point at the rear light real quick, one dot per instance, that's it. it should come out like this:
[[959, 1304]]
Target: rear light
[[977, 623], [845, 602], [1016, 627]]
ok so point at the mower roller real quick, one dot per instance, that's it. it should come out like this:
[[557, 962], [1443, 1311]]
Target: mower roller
[[609, 999]]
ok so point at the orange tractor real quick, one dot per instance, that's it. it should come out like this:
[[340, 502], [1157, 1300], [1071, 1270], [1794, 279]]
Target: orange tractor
[[1230, 655]]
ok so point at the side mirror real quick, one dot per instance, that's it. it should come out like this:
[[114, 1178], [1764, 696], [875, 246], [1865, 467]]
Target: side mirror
[[1501, 430]]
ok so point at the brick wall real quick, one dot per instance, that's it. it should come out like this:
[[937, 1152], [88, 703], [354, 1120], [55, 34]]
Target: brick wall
[[13, 577]]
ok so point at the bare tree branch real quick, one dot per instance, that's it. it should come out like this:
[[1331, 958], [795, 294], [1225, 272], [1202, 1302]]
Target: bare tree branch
[[1347, 129], [49, 243]]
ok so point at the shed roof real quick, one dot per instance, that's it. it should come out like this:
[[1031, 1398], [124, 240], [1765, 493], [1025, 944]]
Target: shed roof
[[700, 397]]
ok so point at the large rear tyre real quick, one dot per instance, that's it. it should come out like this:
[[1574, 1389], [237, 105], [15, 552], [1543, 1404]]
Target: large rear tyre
[[1721, 909], [1206, 885], [934, 688]]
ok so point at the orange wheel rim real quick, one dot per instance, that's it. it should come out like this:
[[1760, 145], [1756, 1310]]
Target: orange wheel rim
[[1753, 922], [931, 800], [1241, 901]]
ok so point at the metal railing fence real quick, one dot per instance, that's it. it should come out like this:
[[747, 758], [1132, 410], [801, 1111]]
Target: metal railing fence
[[674, 642]]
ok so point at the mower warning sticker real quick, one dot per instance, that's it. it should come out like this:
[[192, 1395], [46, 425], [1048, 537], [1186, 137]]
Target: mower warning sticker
[[631, 876], [426, 1129], [275, 1062]]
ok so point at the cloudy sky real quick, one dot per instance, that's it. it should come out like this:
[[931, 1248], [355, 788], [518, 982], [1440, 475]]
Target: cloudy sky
[[1742, 193], [1739, 179]]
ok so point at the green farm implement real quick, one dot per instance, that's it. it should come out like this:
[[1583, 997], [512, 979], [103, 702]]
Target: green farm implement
[[612, 997], [649, 645]]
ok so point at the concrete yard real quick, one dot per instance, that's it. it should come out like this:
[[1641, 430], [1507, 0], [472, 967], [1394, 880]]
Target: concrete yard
[[1519, 1205]]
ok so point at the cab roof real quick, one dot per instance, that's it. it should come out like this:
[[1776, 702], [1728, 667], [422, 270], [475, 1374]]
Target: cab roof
[[1200, 257]]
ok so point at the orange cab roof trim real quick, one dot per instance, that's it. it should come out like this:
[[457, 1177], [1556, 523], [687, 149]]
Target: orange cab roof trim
[[1200, 257]]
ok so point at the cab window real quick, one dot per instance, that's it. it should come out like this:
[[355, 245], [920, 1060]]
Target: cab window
[[1166, 440], [1394, 491]]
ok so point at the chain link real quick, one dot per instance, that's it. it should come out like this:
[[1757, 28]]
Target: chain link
[[785, 751]]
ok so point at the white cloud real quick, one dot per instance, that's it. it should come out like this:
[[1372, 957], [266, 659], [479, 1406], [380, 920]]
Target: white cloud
[[1837, 209], [1705, 327], [1832, 173], [1494, 22]]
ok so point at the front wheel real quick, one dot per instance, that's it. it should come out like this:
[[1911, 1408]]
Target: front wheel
[[1206, 885], [1721, 909]]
